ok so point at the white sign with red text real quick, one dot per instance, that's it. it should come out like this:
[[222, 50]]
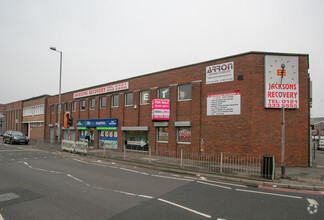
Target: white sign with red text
[[160, 109], [281, 82], [219, 73], [224, 103], [101, 90]]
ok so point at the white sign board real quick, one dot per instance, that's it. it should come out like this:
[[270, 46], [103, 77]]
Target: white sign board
[[281, 82], [224, 103], [219, 73], [101, 90]]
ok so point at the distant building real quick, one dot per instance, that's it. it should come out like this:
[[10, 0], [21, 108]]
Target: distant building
[[2, 124]]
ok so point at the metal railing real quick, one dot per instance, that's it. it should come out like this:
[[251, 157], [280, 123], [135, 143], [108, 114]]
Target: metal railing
[[215, 162]]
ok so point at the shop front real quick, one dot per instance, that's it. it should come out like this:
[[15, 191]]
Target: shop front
[[136, 138], [105, 129]]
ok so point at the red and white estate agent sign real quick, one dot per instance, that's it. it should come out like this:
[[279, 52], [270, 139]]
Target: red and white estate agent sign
[[281, 82], [160, 109], [224, 103]]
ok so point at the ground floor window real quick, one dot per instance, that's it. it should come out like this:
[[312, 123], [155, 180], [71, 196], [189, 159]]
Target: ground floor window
[[162, 134], [184, 135], [108, 139], [136, 140]]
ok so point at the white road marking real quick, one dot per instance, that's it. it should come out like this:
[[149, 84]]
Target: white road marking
[[210, 184], [1, 218], [312, 201], [174, 178], [271, 194], [69, 175], [185, 208], [8, 196], [192, 178], [230, 184]]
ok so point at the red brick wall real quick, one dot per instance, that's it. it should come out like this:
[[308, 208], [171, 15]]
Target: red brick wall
[[256, 130]]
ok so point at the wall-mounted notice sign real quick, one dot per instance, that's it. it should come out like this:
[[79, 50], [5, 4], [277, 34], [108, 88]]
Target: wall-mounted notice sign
[[160, 109], [224, 103], [219, 73]]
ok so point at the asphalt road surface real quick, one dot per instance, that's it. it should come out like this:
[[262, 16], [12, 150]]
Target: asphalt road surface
[[36, 184]]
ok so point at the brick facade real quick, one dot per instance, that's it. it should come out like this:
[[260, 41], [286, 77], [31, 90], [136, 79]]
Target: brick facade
[[256, 130]]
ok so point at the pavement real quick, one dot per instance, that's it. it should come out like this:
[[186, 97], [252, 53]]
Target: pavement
[[299, 178]]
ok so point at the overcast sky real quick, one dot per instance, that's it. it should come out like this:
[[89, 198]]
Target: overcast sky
[[104, 41]]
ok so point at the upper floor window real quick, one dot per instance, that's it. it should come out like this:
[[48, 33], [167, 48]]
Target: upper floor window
[[52, 109], [145, 97], [163, 93], [82, 105], [34, 110], [73, 106], [92, 104], [129, 99], [66, 107], [115, 101], [103, 102], [184, 92]]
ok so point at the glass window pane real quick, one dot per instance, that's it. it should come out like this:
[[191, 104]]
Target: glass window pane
[[184, 134], [103, 102], [115, 100], [163, 134], [145, 97], [129, 99], [185, 92], [163, 93]]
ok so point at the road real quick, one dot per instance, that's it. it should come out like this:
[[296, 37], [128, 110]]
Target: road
[[36, 184]]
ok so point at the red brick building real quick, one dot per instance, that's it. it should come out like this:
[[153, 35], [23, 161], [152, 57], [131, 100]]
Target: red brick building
[[232, 104]]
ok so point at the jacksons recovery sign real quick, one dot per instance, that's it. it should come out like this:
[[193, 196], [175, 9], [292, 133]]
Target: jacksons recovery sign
[[281, 82]]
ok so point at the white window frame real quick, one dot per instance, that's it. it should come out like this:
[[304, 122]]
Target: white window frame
[[112, 101], [157, 135], [158, 93], [142, 95], [126, 99], [103, 98], [74, 106], [179, 142], [179, 100], [81, 104], [92, 102]]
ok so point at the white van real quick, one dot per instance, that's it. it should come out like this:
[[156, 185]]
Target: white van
[[320, 145]]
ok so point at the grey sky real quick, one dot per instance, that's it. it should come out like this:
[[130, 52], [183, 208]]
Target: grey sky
[[104, 41]]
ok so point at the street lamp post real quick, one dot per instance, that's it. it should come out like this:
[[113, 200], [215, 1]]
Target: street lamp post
[[59, 106]]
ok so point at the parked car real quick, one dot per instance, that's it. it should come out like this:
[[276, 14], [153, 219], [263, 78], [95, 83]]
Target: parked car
[[13, 137]]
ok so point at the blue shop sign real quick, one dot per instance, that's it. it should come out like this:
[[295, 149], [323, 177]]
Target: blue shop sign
[[93, 123]]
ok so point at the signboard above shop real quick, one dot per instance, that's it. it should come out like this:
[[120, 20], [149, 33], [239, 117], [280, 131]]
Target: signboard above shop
[[100, 124], [101, 90]]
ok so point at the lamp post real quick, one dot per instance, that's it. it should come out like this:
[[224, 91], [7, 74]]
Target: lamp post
[[59, 106], [283, 166]]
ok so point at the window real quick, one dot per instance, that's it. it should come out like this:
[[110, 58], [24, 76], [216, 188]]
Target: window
[[52, 109], [184, 135], [128, 99], [163, 93], [92, 104], [66, 107], [73, 106], [162, 134], [145, 97], [82, 105], [184, 92], [34, 110], [103, 102], [115, 101]]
